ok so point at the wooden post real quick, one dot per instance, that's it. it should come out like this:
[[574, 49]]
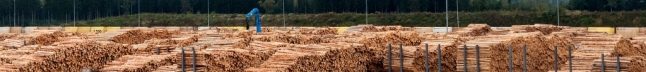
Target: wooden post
[[477, 58], [390, 58]]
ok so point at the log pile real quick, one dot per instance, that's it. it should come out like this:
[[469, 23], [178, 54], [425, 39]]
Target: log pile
[[184, 40], [473, 30], [146, 48], [355, 29], [385, 28], [109, 35], [319, 31], [627, 64], [7, 36], [589, 47], [449, 52], [168, 68], [8, 43], [625, 48], [409, 56], [291, 38], [191, 59], [382, 39], [139, 62], [540, 53], [543, 28], [48, 39], [344, 57], [139, 36], [235, 59], [90, 56], [490, 46]]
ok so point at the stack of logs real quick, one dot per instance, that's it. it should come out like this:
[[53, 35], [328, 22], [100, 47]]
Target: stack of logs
[[88, 56], [321, 57], [543, 28], [139, 36], [382, 39], [473, 30], [139, 62]]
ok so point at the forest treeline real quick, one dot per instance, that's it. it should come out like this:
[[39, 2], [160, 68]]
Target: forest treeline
[[47, 12]]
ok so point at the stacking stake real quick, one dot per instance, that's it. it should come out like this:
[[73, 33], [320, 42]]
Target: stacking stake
[[477, 58], [33, 42], [569, 57], [603, 64], [194, 60], [439, 58], [510, 60], [13, 47], [426, 62], [401, 58], [618, 64], [158, 51], [24, 42], [465, 58], [183, 61], [390, 58]]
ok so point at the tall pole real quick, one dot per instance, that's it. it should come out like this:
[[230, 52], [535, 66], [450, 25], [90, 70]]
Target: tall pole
[[139, 13], [74, 1], [366, 11], [457, 11], [447, 15], [558, 14], [208, 15], [14, 13], [284, 14]]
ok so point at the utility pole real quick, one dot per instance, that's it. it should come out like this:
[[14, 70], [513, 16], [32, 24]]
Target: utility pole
[[74, 13], [139, 13], [208, 15], [366, 11], [457, 11], [284, 14], [14, 13], [447, 15], [558, 14]]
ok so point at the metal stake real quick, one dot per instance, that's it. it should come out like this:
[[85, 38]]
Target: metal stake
[[603, 64], [465, 58], [510, 60], [401, 58], [569, 57], [478, 58], [183, 61], [439, 58], [426, 62], [618, 64], [390, 58], [194, 60], [524, 58], [168, 49], [13, 47], [158, 52]]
